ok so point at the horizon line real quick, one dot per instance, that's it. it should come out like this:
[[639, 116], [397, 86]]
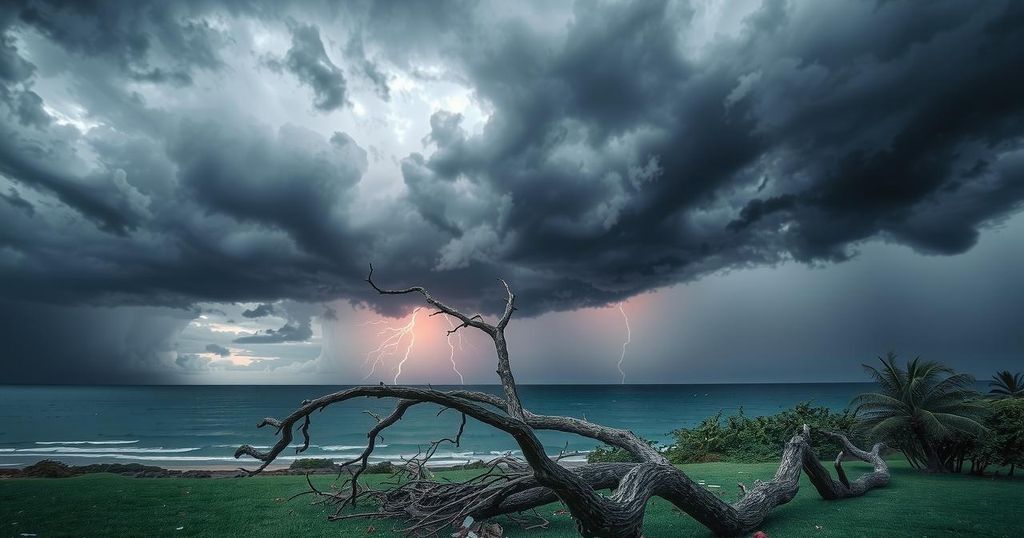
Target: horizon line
[[432, 384]]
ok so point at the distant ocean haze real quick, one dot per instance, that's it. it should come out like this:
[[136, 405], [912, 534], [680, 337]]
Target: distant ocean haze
[[200, 426]]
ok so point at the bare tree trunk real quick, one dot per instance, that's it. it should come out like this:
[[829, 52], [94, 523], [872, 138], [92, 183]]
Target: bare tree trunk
[[429, 506]]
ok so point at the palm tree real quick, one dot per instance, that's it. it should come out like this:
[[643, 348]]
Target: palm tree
[[1007, 385], [922, 410]]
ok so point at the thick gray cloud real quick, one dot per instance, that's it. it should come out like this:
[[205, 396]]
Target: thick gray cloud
[[297, 328], [147, 41], [14, 198], [289, 332], [190, 362], [367, 68], [261, 310], [148, 156], [218, 349], [80, 344], [308, 61], [768, 148]]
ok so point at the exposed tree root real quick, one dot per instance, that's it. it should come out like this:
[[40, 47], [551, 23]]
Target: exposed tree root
[[513, 487]]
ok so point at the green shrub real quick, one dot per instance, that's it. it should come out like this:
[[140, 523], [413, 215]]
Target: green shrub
[[609, 454], [384, 467], [740, 438], [1003, 444], [924, 409], [312, 463], [471, 466]]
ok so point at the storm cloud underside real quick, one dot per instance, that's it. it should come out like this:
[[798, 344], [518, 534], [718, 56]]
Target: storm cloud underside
[[151, 156]]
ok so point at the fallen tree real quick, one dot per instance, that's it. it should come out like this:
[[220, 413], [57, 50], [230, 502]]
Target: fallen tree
[[515, 487]]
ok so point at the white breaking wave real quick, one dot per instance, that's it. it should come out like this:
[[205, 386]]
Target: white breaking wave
[[448, 462], [71, 449], [86, 442], [261, 446], [135, 457], [443, 459], [335, 448], [437, 455]]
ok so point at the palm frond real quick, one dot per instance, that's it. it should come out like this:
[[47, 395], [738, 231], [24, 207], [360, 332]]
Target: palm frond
[[960, 423], [889, 428], [920, 404], [1007, 384]]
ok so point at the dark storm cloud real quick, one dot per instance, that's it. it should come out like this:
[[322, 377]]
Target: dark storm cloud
[[905, 125], [132, 35], [758, 208], [30, 110], [14, 198], [191, 362], [106, 197], [290, 332], [264, 309], [292, 180], [218, 349], [367, 68], [92, 345], [298, 328], [619, 153], [308, 61]]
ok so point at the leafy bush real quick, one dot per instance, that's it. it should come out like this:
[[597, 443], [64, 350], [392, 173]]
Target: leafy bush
[[384, 467], [471, 466], [1004, 443], [924, 409], [312, 463], [610, 454], [740, 438]]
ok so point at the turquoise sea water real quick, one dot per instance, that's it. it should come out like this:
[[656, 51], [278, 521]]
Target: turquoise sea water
[[197, 426]]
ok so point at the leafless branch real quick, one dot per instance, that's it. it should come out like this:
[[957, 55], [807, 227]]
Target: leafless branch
[[512, 486]]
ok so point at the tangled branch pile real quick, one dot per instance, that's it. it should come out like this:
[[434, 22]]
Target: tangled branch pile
[[515, 487]]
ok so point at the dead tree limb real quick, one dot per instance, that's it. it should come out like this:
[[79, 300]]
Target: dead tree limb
[[843, 488], [428, 505]]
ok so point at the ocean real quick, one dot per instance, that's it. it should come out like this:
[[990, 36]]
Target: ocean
[[200, 426]]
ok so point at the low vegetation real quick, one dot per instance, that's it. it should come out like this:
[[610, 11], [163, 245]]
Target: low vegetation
[[934, 416], [1003, 442], [1007, 385], [109, 505], [312, 463], [744, 439], [924, 410]]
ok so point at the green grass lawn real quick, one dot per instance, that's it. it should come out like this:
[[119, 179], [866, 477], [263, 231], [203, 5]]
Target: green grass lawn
[[105, 505]]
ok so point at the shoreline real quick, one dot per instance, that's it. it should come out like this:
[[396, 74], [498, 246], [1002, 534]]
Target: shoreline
[[48, 468]]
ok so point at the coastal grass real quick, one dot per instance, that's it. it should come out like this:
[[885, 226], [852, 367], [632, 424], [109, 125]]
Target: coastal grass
[[914, 504]]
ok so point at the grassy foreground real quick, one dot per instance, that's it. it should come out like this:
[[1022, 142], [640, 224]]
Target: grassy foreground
[[105, 505]]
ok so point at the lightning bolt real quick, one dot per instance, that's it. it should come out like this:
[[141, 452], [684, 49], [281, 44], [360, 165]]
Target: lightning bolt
[[394, 338], [408, 349], [629, 336], [451, 346]]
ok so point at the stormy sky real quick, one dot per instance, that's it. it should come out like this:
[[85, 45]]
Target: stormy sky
[[770, 190]]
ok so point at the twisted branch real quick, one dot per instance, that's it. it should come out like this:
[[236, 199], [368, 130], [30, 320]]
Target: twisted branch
[[509, 486]]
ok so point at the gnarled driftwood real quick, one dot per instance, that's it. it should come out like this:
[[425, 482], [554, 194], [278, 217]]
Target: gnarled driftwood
[[514, 487]]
